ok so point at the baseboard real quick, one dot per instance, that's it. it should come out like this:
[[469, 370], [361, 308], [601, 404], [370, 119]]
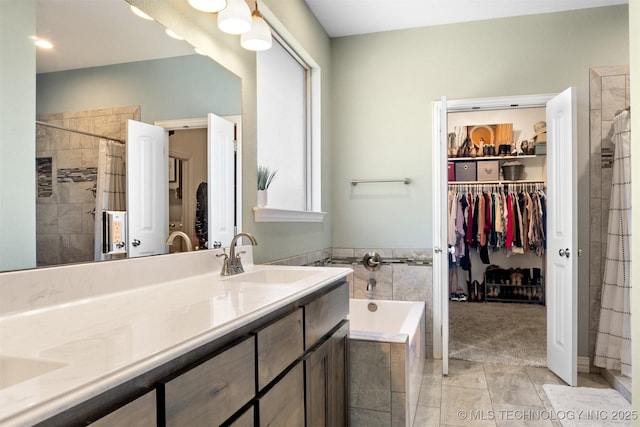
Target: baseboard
[[584, 365]]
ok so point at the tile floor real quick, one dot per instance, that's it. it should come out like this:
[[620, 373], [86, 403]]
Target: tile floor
[[486, 394]]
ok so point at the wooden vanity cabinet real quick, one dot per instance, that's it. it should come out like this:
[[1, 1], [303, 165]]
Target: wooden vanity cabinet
[[212, 391], [287, 368], [139, 413]]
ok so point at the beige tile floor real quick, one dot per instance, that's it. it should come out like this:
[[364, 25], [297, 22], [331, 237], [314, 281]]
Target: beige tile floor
[[486, 394]]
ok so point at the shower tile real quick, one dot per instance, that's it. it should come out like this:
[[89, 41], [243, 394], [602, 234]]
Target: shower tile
[[367, 418], [88, 219], [410, 283], [370, 375], [398, 409], [68, 159], [595, 260], [413, 253], [398, 371], [594, 304], [77, 248], [80, 192], [76, 140], [89, 157], [383, 288], [596, 130], [595, 220], [46, 218], [613, 95], [48, 249], [342, 253], [595, 171], [70, 218], [384, 253], [109, 126], [595, 89]]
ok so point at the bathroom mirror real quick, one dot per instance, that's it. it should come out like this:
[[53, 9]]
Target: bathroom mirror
[[107, 65]]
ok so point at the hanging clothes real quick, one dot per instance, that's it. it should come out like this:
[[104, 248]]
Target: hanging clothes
[[613, 341]]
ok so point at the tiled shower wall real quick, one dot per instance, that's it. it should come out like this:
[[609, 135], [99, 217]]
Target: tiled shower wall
[[67, 165], [609, 93], [396, 281]]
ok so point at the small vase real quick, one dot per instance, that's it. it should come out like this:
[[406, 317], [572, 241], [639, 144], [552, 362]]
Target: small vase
[[262, 198]]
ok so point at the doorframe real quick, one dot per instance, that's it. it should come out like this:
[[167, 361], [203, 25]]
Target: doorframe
[[441, 290], [202, 122]]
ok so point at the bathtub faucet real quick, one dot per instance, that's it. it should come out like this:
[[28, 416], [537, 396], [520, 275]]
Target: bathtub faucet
[[371, 284]]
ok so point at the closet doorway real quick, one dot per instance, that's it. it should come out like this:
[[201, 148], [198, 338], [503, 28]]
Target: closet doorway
[[559, 265]]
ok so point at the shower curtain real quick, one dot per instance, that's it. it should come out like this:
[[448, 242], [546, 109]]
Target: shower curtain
[[111, 187], [613, 342]]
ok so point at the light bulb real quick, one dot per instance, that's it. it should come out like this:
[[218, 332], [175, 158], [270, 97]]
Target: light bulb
[[211, 6], [235, 18]]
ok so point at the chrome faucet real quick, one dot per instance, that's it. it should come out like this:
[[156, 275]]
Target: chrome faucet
[[233, 263], [184, 236]]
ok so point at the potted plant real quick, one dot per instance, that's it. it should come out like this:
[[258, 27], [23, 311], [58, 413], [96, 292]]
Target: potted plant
[[265, 177]]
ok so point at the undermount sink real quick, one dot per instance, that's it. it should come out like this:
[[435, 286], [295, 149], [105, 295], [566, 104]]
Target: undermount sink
[[272, 276], [14, 370]]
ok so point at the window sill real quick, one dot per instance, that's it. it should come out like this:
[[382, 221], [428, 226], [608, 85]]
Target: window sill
[[284, 215]]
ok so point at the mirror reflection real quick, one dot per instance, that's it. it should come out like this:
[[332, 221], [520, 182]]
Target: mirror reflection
[[108, 66]]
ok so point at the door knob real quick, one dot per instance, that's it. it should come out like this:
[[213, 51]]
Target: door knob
[[135, 243], [564, 252], [437, 250]]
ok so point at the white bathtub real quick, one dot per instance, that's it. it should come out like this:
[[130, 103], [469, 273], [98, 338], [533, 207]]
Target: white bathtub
[[386, 353]]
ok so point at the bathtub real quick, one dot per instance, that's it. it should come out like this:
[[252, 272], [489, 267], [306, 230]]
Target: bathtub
[[386, 360]]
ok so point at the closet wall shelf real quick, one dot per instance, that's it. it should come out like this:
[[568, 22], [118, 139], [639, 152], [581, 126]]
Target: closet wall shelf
[[479, 158], [523, 181]]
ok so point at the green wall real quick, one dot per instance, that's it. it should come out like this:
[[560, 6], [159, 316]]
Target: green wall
[[384, 85], [181, 87]]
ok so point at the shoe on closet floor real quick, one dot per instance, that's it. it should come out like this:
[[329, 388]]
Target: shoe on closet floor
[[462, 297], [454, 297]]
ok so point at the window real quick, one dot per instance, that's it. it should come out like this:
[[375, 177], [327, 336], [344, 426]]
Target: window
[[285, 87]]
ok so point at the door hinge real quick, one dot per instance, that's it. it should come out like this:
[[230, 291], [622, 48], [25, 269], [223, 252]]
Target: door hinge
[[235, 145]]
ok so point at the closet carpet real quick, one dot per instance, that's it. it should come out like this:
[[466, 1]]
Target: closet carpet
[[495, 332]]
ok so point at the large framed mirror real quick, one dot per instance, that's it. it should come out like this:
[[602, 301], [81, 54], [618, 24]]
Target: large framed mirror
[[109, 66]]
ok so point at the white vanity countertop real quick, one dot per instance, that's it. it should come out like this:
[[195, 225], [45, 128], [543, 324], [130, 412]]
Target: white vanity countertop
[[100, 342]]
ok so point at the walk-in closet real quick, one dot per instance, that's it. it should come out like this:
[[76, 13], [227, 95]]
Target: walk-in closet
[[496, 235]]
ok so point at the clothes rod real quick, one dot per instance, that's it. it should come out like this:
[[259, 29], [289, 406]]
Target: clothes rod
[[78, 131], [355, 182]]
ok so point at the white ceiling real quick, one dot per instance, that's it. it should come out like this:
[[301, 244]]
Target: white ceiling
[[350, 17], [89, 33]]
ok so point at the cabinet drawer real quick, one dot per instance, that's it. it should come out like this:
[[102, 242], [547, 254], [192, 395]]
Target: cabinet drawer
[[279, 345], [324, 313], [465, 171], [488, 170], [244, 420], [211, 392], [283, 405], [139, 413]]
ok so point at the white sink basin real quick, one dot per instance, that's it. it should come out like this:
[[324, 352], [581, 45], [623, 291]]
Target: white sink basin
[[273, 276], [14, 370]]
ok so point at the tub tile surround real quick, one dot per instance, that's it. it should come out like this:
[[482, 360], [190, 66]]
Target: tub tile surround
[[396, 281], [609, 92]]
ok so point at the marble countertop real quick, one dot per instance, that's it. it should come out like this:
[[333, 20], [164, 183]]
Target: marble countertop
[[81, 348]]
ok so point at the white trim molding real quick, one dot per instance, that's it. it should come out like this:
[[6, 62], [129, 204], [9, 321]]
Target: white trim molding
[[284, 215]]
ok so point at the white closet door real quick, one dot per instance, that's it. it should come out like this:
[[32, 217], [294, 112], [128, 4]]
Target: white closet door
[[440, 253], [147, 189], [561, 280]]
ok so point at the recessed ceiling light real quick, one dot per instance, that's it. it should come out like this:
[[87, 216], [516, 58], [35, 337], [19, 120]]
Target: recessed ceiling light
[[172, 34], [45, 44], [140, 13]]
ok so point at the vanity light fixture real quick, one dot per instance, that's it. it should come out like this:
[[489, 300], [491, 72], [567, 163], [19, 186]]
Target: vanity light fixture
[[140, 13], [259, 37], [211, 6], [235, 18]]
